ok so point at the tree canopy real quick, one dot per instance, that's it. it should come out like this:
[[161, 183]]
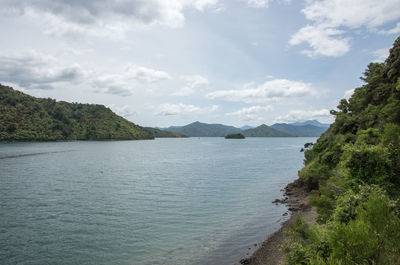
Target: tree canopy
[[354, 169], [26, 118]]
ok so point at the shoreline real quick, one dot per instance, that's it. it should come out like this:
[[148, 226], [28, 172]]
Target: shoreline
[[270, 251]]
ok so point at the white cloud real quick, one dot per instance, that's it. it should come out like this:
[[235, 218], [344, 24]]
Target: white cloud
[[181, 109], [322, 40], [126, 82], [271, 90], [192, 83], [381, 55], [203, 4], [352, 14], [250, 110], [322, 115], [214, 108], [251, 113], [124, 111], [175, 109], [258, 3], [331, 19], [32, 70], [264, 3], [104, 17], [146, 75], [115, 84]]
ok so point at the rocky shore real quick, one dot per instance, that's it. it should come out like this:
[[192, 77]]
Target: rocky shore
[[270, 252]]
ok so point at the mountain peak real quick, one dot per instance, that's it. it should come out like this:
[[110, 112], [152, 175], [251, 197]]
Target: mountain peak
[[308, 122], [265, 131]]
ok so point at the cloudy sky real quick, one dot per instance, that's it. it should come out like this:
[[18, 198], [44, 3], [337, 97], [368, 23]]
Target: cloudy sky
[[172, 62]]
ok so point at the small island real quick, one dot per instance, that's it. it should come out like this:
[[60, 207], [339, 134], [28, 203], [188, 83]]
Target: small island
[[235, 136]]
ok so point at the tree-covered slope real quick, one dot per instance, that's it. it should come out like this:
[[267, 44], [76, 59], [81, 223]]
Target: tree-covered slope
[[354, 169], [157, 133], [26, 118], [265, 131], [235, 136]]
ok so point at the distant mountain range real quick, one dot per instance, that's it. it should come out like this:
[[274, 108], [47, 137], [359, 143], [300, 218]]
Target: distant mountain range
[[157, 133], [310, 122], [246, 127], [299, 129], [198, 129], [265, 131]]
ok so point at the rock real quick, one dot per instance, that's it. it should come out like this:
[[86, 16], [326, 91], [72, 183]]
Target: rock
[[284, 200], [246, 261]]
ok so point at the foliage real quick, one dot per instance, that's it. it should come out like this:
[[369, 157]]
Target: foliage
[[26, 118], [235, 136], [354, 169], [369, 234]]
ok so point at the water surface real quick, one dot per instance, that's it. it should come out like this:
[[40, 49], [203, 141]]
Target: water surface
[[167, 201]]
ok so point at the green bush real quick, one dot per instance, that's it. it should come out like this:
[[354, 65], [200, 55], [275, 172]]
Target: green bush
[[354, 168], [370, 234], [368, 164]]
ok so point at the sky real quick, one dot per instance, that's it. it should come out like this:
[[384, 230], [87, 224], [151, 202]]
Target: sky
[[173, 62]]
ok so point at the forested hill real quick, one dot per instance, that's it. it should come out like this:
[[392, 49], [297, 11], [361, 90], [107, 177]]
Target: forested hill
[[355, 166], [26, 118]]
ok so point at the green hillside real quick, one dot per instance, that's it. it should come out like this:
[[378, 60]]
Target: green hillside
[[264, 131], [354, 169], [164, 134], [26, 118]]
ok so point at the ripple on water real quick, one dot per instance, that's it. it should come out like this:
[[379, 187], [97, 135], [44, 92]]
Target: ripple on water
[[168, 201]]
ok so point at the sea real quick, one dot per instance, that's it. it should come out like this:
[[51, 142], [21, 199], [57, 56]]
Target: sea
[[166, 201]]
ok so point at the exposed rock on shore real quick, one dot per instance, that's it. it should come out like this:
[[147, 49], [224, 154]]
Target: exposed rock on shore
[[270, 251]]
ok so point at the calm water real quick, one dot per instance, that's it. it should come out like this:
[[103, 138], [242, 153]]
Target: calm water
[[167, 201]]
